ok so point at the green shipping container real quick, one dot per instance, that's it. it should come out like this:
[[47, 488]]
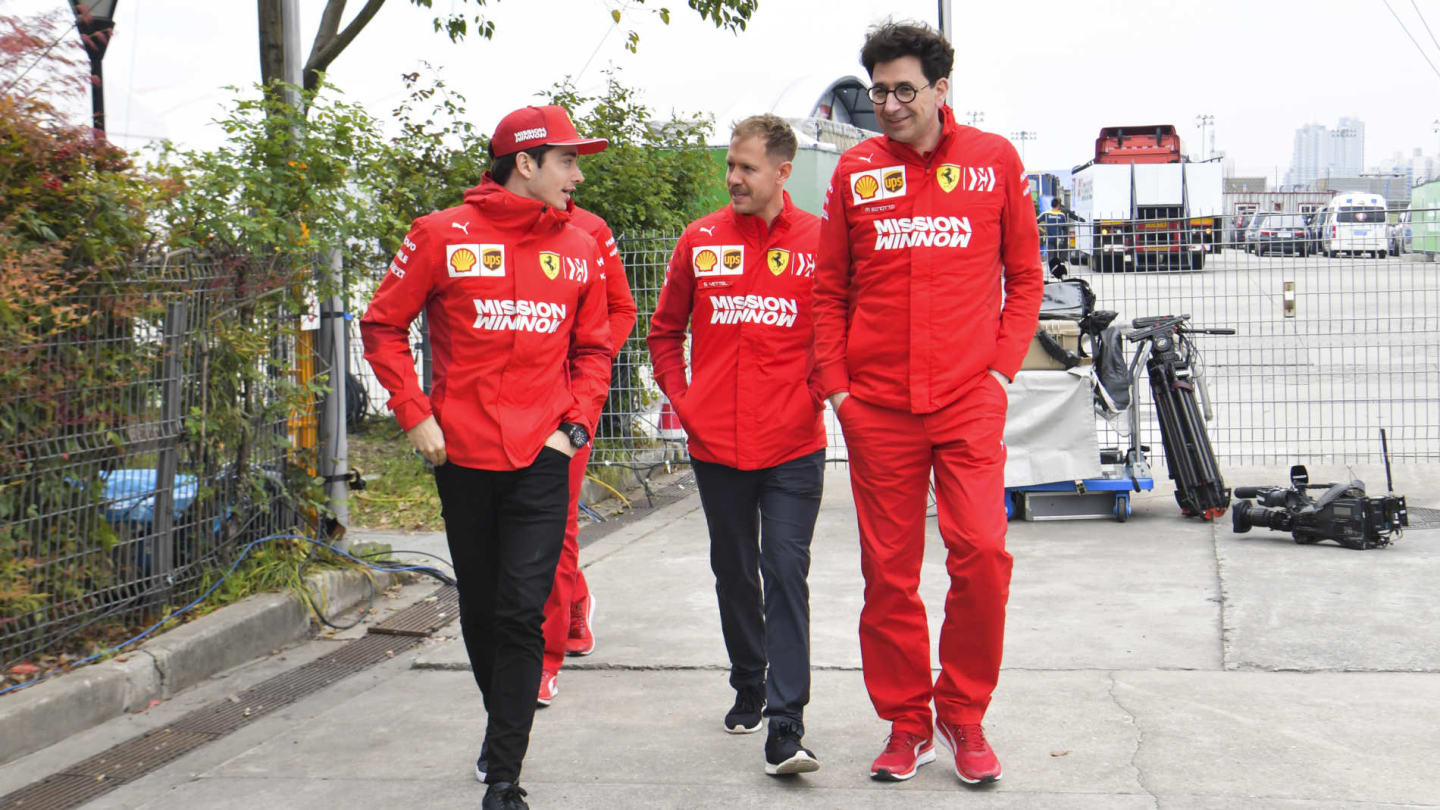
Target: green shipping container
[[1425, 218]]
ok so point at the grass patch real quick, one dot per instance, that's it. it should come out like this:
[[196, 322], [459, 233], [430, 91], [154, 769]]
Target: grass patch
[[399, 486]]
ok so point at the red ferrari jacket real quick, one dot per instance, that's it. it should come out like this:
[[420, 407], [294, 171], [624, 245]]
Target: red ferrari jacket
[[909, 300], [619, 303], [753, 400], [515, 300]]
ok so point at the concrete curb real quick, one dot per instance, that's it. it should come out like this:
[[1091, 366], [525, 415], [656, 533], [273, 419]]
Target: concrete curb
[[47, 713]]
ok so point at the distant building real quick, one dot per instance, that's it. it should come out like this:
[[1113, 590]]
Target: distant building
[[1236, 185], [1395, 188], [1321, 152]]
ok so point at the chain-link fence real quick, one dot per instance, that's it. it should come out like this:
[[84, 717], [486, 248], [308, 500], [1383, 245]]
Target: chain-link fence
[[1336, 338], [1338, 326], [122, 486]]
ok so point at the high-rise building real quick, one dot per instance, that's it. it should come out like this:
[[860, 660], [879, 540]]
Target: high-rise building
[[1322, 152]]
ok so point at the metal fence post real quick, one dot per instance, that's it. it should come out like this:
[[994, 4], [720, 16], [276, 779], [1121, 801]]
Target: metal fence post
[[162, 542], [334, 465]]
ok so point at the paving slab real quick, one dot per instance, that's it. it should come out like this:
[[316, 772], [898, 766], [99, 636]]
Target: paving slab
[[1354, 737]]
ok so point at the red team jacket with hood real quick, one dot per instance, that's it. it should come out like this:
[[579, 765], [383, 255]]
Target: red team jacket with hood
[[619, 303], [913, 250], [515, 298], [752, 400]]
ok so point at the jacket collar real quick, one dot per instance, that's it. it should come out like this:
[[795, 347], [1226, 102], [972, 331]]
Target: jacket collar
[[750, 225], [509, 211], [948, 128]]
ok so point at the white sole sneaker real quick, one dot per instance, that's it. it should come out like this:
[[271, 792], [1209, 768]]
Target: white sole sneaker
[[554, 690], [744, 729], [589, 623], [923, 758], [801, 762]]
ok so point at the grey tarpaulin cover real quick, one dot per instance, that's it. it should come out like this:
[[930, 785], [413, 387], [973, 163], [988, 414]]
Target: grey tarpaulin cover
[[1050, 428]]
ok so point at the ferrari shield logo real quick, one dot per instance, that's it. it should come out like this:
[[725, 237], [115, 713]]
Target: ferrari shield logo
[[550, 263], [949, 176], [778, 259]]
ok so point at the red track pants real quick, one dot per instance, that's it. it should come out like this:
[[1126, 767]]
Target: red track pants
[[570, 586], [891, 456]]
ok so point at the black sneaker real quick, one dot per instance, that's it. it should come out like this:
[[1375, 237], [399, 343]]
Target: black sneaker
[[744, 716], [482, 764], [784, 754], [504, 796]]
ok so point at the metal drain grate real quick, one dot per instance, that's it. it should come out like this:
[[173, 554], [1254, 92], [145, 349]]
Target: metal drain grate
[[140, 755], [1424, 518], [423, 618]]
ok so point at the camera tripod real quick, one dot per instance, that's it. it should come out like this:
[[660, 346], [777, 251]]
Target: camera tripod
[[1173, 365]]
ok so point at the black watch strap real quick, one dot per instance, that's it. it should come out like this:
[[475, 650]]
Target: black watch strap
[[576, 432]]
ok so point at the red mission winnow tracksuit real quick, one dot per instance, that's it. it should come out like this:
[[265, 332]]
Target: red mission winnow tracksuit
[[929, 277], [515, 299], [570, 586], [757, 441]]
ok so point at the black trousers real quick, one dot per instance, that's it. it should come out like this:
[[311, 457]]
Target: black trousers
[[761, 522], [505, 530]]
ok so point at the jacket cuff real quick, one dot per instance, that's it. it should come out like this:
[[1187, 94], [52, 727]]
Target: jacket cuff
[[833, 380], [411, 412], [1009, 363]]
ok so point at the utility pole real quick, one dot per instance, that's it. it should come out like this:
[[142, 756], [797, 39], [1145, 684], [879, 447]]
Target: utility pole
[[974, 117], [946, 26], [329, 345]]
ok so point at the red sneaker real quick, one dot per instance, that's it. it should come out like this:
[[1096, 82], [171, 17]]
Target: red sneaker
[[975, 760], [903, 755], [582, 638], [549, 687]]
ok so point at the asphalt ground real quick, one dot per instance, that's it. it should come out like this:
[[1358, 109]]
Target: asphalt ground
[[1159, 663]]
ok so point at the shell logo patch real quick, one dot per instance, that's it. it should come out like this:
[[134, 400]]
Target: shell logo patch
[[718, 260], [877, 184], [778, 259], [866, 186], [949, 177], [474, 261], [550, 264]]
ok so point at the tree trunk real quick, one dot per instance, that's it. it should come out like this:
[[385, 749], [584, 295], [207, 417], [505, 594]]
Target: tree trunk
[[272, 42]]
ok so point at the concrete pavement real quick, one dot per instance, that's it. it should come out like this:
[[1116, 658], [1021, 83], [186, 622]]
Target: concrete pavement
[[1159, 663]]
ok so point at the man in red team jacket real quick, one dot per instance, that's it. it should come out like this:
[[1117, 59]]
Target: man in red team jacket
[[515, 299], [926, 298], [571, 607], [753, 415]]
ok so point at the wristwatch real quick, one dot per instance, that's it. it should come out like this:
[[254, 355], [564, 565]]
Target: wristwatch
[[576, 433]]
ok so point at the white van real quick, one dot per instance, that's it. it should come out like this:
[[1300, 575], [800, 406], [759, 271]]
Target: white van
[[1353, 223]]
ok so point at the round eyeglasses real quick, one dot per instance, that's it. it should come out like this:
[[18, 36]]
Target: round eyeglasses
[[903, 93]]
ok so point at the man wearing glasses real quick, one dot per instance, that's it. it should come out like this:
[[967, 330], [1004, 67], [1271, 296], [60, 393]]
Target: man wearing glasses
[[927, 294]]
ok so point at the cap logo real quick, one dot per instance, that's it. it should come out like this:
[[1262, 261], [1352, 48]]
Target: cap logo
[[530, 134]]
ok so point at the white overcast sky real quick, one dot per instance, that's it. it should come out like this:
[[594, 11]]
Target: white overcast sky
[[1058, 68]]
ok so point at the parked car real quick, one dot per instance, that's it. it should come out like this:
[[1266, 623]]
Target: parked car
[[1353, 223], [1237, 230], [1401, 235], [1280, 233], [1252, 230]]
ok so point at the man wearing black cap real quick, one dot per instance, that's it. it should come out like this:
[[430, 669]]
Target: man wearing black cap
[[515, 299]]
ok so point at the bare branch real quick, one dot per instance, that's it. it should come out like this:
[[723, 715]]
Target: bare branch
[[320, 60], [329, 25]]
